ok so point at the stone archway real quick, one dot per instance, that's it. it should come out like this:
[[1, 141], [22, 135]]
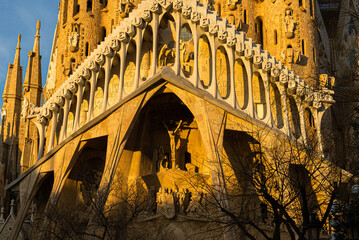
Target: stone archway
[[165, 137]]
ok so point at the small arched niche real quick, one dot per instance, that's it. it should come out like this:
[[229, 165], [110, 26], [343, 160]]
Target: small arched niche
[[222, 72], [259, 30], [310, 128], [130, 68], [167, 41], [85, 104], [71, 117], [204, 61], [114, 83], [146, 53], [186, 50], [259, 96], [98, 98], [276, 106], [241, 84], [293, 117]]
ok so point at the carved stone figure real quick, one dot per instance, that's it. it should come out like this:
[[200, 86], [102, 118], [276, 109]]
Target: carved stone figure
[[165, 203], [74, 38], [183, 200], [291, 56], [289, 23], [161, 160], [24, 107], [186, 56], [195, 203], [232, 4], [3, 113], [125, 7], [174, 143], [166, 54]]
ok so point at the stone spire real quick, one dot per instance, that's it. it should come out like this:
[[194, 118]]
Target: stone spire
[[32, 95], [12, 97], [13, 84], [33, 78]]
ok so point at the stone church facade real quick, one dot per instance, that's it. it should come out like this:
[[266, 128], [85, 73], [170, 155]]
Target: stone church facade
[[145, 93]]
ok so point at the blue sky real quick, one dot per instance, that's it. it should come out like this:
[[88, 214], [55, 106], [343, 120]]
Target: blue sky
[[20, 16]]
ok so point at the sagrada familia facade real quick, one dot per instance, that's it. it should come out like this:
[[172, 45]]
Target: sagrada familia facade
[[157, 98]]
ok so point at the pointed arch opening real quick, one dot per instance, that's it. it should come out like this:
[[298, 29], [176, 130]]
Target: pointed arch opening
[[40, 202], [276, 106], [85, 104], [293, 117], [98, 98], [82, 184], [167, 41], [186, 50], [71, 117], [114, 81], [130, 68], [259, 96], [146, 53], [310, 128], [89, 6], [164, 139]]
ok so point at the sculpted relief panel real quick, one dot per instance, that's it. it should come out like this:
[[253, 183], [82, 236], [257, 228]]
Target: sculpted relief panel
[[259, 96], [98, 101], [146, 55], [84, 110], [241, 84], [113, 89], [130, 69], [204, 62], [222, 72]]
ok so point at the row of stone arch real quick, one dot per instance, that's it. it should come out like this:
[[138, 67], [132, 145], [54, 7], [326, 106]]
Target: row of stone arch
[[193, 53]]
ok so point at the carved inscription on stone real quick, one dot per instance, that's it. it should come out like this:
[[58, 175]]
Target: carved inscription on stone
[[222, 72], [129, 77], [204, 62], [113, 89], [98, 101], [241, 84]]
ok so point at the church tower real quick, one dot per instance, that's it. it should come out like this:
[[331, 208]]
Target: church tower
[[31, 96], [81, 26], [11, 116]]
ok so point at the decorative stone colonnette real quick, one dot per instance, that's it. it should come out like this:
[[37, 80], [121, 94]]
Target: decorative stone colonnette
[[255, 84]]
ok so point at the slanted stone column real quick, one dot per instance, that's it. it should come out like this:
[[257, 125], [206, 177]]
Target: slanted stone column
[[303, 132], [123, 65], [54, 108], [283, 97], [232, 94], [108, 66], [93, 82], [66, 94], [213, 86], [139, 26], [40, 123], [80, 81], [178, 44], [155, 24]]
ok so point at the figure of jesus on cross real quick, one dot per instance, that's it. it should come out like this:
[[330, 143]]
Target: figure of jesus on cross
[[173, 142]]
